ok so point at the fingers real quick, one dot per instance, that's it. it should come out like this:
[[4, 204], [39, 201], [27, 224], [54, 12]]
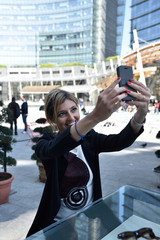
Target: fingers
[[139, 87], [142, 96], [142, 93], [113, 85], [113, 90], [110, 98], [139, 99], [114, 95]]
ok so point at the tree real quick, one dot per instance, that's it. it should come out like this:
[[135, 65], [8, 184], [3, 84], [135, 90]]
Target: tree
[[6, 139], [44, 128]]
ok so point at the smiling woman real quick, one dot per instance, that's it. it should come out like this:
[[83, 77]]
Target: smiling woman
[[67, 114], [53, 102], [71, 158]]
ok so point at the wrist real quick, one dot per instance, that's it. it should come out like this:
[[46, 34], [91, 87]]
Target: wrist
[[141, 113], [93, 118], [81, 137], [138, 122]]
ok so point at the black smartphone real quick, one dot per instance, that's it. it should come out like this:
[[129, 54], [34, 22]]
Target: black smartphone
[[125, 73]]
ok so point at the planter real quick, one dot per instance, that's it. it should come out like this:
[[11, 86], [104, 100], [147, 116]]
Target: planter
[[157, 153], [42, 172], [5, 186], [156, 170]]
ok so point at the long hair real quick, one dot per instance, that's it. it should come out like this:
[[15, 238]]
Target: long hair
[[54, 98]]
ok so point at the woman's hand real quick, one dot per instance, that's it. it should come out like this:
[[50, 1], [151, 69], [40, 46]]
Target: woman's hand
[[142, 96], [109, 100]]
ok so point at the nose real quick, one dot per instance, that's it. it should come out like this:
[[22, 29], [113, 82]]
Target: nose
[[71, 116]]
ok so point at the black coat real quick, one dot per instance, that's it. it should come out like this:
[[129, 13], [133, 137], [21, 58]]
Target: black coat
[[13, 107], [52, 153], [24, 108]]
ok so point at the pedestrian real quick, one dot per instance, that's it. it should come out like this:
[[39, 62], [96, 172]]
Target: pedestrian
[[71, 157], [83, 110], [15, 113], [24, 111], [80, 102], [156, 107]]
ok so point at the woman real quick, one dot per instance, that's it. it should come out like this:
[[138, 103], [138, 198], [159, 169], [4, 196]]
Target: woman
[[71, 157]]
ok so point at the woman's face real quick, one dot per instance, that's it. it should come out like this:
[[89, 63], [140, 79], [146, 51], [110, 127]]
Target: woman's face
[[67, 114]]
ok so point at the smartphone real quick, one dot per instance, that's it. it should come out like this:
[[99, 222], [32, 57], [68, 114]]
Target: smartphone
[[125, 73]]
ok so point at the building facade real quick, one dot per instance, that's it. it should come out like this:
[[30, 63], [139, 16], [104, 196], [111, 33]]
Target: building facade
[[35, 82], [59, 31], [111, 26], [120, 20], [145, 19], [77, 33], [46, 31]]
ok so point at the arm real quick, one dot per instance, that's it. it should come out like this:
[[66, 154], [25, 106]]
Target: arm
[[142, 96], [117, 142], [108, 102]]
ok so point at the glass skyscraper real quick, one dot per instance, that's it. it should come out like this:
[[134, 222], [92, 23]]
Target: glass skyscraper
[[145, 17], [111, 25], [77, 33], [120, 24], [60, 31], [52, 31], [20, 23]]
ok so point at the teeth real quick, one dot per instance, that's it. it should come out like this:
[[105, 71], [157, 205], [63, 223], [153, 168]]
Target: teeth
[[72, 123]]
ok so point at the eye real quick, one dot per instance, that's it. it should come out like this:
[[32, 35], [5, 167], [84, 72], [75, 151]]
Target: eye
[[74, 109], [61, 114]]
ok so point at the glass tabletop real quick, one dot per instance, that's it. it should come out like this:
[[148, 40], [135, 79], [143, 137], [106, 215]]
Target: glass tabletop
[[127, 209]]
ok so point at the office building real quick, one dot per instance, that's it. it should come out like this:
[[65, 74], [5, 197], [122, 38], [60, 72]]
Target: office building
[[145, 18], [111, 26], [77, 33], [46, 31], [120, 20], [35, 82], [59, 31]]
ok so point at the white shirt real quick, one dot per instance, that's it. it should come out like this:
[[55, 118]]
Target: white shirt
[[65, 211]]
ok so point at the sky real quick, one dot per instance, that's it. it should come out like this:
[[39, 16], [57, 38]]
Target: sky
[[126, 33]]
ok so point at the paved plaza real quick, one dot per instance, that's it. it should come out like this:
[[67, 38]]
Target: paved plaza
[[133, 166]]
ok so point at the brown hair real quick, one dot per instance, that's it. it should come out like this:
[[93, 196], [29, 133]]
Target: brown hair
[[54, 98]]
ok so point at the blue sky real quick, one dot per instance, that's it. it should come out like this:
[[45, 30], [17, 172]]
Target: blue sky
[[126, 33]]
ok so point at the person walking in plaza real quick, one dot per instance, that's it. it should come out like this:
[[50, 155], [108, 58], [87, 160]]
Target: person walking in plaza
[[24, 111], [156, 107], [71, 157], [15, 110]]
